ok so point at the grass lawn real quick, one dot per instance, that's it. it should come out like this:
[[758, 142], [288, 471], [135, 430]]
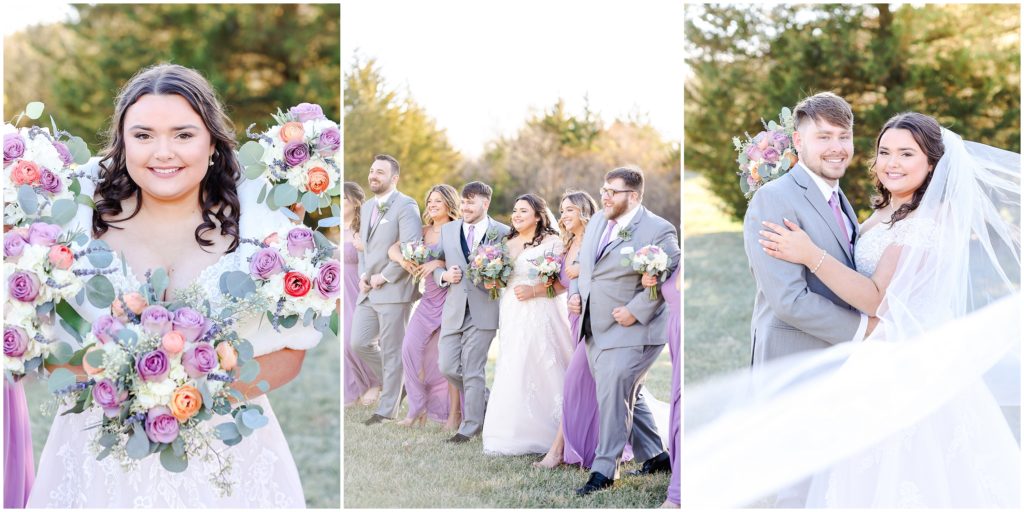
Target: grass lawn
[[387, 466]]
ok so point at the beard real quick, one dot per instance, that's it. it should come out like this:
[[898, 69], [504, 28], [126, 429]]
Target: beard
[[617, 210]]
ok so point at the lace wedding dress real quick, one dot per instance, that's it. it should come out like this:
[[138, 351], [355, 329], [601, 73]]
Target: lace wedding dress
[[262, 469], [525, 404]]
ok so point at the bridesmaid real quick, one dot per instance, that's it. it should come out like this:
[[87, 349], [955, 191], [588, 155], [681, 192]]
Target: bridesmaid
[[430, 394], [670, 290], [361, 384], [577, 435], [19, 463]]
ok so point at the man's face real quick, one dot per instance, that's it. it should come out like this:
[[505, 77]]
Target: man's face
[[824, 148], [474, 208], [380, 177], [616, 198]]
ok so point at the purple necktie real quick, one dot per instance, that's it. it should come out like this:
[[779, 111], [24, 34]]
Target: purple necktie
[[470, 238], [604, 240], [834, 203], [374, 215]]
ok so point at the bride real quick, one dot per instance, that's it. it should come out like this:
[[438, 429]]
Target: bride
[[170, 195], [882, 424], [525, 405]]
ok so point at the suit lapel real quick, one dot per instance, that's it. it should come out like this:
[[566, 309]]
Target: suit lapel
[[813, 195], [364, 222], [380, 217], [851, 214], [615, 239]]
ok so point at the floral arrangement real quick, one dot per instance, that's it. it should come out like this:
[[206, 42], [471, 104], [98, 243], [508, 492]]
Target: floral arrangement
[[297, 156], [39, 171], [547, 267], [768, 155], [417, 252], [161, 374], [491, 265], [649, 259]]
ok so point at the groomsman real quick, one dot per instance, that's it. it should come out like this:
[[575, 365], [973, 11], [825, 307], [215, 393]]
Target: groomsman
[[386, 290], [624, 330]]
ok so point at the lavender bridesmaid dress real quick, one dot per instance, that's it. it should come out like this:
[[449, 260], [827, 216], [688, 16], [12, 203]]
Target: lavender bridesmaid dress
[[419, 353], [358, 376], [673, 301], [579, 402], [19, 464]]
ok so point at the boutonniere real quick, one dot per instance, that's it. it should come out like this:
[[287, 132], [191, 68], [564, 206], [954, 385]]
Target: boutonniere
[[492, 234], [383, 208], [625, 233]]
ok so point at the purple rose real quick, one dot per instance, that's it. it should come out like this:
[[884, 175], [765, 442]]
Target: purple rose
[[300, 239], [107, 396], [156, 320], [780, 140], [754, 152], [771, 155], [14, 244], [330, 141], [41, 233], [65, 154], [161, 426], [153, 366], [23, 286], [106, 328], [265, 263], [15, 341], [190, 323], [199, 360], [14, 147], [327, 281], [50, 181], [307, 112], [296, 153]]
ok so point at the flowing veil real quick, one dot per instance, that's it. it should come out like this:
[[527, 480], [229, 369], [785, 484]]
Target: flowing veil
[[949, 329]]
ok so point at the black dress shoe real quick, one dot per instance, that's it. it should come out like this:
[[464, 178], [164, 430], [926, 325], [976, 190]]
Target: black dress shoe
[[457, 438], [660, 463], [596, 483], [376, 418]]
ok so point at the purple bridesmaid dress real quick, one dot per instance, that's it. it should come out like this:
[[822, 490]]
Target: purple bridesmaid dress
[[419, 353], [358, 376], [579, 401], [19, 463], [673, 301]]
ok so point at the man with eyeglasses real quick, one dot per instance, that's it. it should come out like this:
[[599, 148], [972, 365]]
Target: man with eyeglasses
[[624, 330]]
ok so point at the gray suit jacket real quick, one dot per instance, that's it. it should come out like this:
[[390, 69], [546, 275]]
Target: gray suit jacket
[[793, 310], [608, 284], [482, 309], [401, 222]]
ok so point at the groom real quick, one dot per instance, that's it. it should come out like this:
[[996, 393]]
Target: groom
[[386, 290], [470, 317], [623, 328]]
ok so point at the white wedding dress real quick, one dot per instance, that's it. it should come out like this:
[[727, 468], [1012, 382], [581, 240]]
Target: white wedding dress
[[525, 404], [262, 469]]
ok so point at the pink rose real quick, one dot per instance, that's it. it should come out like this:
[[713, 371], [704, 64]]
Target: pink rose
[[61, 256]]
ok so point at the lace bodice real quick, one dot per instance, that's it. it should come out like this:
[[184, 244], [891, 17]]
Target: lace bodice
[[912, 231], [521, 266]]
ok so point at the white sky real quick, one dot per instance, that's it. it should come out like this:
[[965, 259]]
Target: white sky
[[481, 67], [19, 15]]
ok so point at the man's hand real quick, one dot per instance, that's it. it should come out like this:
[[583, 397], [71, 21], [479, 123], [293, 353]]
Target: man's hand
[[453, 275], [364, 286], [623, 316], [377, 280], [575, 304], [358, 244]]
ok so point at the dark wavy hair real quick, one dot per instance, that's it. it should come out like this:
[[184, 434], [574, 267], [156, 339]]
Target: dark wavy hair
[[354, 191], [543, 223], [928, 134], [218, 193]]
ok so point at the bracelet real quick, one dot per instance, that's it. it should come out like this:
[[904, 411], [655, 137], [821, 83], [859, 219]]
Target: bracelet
[[822, 260]]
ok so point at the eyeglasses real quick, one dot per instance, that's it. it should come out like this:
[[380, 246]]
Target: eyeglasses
[[611, 191]]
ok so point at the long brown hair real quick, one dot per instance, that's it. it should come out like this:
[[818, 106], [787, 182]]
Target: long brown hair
[[354, 191], [587, 206], [928, 134], [218, 193], [544, 227]]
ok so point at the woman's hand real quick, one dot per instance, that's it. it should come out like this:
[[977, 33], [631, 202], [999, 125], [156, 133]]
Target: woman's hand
[[792, 245], [524, 292], [428, 268], [358, 244], [572, 271], [649, 280], [410, 267]]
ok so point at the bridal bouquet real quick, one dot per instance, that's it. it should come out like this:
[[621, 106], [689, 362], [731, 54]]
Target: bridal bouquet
[[161, 374], [548, 266], [766, 156], [296, 275], [490, 265], [649, 259], [39, 172], [297, 156], [43, 275]]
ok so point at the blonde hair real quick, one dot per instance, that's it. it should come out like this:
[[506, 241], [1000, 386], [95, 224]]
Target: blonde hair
[[451, 200], [587, 206]]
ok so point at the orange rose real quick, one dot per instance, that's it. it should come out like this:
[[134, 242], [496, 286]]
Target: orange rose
[[90, 369], [61, 256], [186, 402], [173, 342], [25, 173], [292, 131], [317, 180], [271, 239], [135, 302], [228, 356]]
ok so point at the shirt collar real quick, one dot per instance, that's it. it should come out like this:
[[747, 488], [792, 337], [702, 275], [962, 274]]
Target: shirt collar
[[826, 189], [479, 224], [627, 217]]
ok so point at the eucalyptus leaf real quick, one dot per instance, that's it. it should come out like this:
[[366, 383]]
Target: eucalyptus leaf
[[310, 202], [71, 316], [107, 440], [328, 222], [34, 110], [63, 210], [76, 359], [335, 211], [75, 187], [250, 153], [243, 429], [178, 445], [744, 186], [172, 461], [101, 256], [322, 242], [237, 284], [44, 309], [61, 353], [335, 320], [249, 371], [263, 194], [70, 330], [325, 201], [245, 351], [289, 321], [99, 291], [104, 453], [128, 336], [288, 213], [226, 431], [285, 194], [254, 171], [82, 239], [307, 317], [253, 419], [159, 281], [28, 200], [137, 446], [60, 378], [79, 150], [85, 201]]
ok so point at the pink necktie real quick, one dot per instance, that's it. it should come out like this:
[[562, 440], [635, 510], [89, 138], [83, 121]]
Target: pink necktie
[[834, 203], [470, 238], [374, 215], [604, 240]]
